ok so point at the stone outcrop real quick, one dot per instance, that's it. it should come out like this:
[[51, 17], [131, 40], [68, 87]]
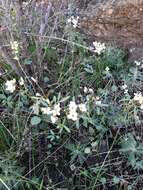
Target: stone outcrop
[[119, 22]]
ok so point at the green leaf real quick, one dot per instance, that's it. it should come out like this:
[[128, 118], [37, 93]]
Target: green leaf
[[35, 120], [116, 180], [46, 79], [2, 97], [67, 129], [139, 165], [132, 159], [88, 69], [27, 62], [114, 88], [128, 144], [64, 99], [103, 180]]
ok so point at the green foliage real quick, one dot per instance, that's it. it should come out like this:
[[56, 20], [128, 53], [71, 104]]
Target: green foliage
[[77, 153], [61, 128], [114, 57], [35, 120], [10, 174], [133, 150]]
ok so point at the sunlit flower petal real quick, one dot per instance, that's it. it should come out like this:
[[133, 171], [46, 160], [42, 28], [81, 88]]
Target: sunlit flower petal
[[10, 85]]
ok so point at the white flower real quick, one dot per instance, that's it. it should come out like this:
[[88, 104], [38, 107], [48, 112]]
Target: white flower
[[25, 4], [132, 49], [46, 110], [85, 89], [74, 21], [82, 107], [124, 86], [125, 91], [98, 101], [15, 49], [72, 106], [16, 57], [91, 90], [14, 46], [56, 110], [137, 63], [53, 119], [107, 69], [53, 113], [88, 90], [99, 47], [141, 106], [87, 150], [38, 94], [72, 115], [21, 81], [10, 85], [69, 20], [72, 167], [138, 97], [88, 98]]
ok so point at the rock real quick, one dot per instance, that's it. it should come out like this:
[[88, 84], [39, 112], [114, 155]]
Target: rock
[[119, 22]]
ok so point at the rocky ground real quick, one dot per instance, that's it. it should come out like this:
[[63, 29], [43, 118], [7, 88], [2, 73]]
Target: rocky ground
[[119, 23]]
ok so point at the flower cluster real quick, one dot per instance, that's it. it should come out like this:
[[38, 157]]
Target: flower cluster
[[72, 108], [72, 111], [15, 48], [138, 97], [74, 21], [88, 90], [99, 47], [54, 113], [10, 85], [73, 115], [125, 88]]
